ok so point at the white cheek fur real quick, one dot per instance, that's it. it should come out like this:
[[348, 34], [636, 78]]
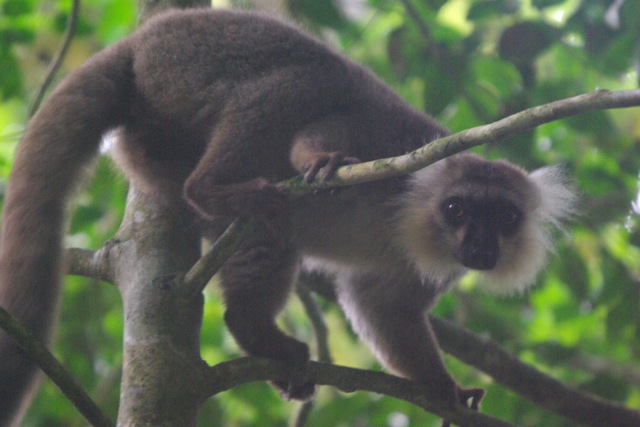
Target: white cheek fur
[[523, 258]]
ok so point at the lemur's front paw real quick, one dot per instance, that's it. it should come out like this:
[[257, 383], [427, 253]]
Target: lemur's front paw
[[328, 163]]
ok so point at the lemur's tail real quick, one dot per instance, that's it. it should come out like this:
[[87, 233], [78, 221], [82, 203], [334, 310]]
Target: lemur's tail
[[61, 140]]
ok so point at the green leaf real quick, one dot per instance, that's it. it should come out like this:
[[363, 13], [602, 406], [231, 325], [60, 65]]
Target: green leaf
[[487, 9], [16, 7], [541, 4]]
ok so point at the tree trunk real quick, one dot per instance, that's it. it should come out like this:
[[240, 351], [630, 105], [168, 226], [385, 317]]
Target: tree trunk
[[161, 331]]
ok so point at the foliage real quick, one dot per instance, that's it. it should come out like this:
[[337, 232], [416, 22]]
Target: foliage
[[468, 63]]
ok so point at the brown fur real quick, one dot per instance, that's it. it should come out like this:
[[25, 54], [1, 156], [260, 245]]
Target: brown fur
[[215, 106]]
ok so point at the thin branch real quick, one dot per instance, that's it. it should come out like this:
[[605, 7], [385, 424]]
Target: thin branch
[[37, 352], [227, 375], [72, 21], [317, 321], [322, 341], [498, 131], [432, 46], [207, 266], [415, 15]]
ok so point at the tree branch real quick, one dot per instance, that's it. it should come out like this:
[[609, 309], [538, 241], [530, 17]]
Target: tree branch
[[317, 321], [41, 356], [322, 341], [89, 263], [227, 375], [540, 388], [494, 132], [72, 21], [208, 265]]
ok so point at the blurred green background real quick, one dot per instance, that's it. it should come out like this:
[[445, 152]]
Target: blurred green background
[[467, 62]]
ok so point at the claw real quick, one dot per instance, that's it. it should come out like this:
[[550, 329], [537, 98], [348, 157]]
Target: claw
[[470, 398], [329, 163]]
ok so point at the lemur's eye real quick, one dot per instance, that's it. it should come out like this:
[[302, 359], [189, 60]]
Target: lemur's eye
[[454, 211], [510, 218]]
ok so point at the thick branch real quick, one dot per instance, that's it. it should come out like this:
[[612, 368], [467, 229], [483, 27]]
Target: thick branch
[[88, 263], [227, 375], [543, 390]]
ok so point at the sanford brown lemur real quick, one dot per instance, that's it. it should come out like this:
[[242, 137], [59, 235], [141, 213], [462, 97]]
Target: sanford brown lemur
[[213, 108]]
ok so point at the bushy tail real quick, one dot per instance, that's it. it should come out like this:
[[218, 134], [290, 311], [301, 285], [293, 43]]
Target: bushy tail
[[60, 142]]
